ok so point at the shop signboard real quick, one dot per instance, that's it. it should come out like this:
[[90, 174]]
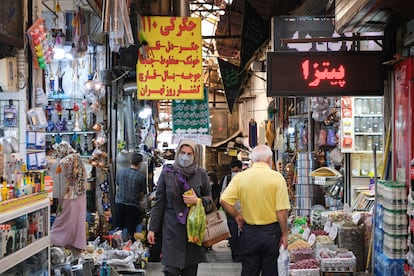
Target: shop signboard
[[170, 58], [324, 74], [232, 78], [191, 119], [255, 34]]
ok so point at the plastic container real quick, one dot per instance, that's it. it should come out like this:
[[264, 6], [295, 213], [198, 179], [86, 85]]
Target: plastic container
[[392, 230], [379, 239], [395, 242], [394, 254], [304, 272], [395, 217], [338, 264], [385, 266], [379, 216], [392, 190], [49, 186]]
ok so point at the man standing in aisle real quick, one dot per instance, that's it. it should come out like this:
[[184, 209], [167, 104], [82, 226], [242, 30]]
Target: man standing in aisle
[[131, 189], [264, 203], [234, 240]]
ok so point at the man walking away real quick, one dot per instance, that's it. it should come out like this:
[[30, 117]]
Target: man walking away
[[131, 188], [264, 204]]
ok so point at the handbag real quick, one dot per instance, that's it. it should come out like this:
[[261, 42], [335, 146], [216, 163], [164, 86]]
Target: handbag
[[216, 227]]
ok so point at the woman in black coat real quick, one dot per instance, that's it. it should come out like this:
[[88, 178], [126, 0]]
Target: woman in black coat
[[170, 210]]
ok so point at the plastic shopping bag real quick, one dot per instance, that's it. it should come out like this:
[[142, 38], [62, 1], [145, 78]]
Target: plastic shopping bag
[[196, 223], [283, 261]]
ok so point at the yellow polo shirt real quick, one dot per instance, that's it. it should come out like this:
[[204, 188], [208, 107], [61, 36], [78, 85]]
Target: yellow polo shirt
[[261, 192]]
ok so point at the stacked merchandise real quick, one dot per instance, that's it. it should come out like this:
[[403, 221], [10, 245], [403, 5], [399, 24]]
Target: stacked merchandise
[[337, 243], [348, 236], [304, 188], [330, 182], [410, 254], [302, 256], [391, 228], [339, 260]]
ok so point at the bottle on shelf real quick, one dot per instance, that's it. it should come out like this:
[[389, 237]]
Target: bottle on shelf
[[84, 118], [59, 124], [4, 190], [50, 124], [60, 81], [69, 122], [52, 91], [77, 126]]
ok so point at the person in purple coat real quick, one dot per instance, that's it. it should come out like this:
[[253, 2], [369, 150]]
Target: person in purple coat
[[170, 209]]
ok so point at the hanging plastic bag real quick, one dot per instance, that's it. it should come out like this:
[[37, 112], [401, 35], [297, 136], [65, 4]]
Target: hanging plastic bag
[[283, 261], [196, 223]]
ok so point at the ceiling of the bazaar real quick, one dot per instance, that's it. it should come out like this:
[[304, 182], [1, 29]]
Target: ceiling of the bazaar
[[223, 19]]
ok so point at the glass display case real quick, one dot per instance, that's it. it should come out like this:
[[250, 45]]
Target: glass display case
[[24, 233], [362, 127]]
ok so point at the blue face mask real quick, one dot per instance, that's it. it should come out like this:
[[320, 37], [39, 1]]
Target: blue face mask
[[185, 160]]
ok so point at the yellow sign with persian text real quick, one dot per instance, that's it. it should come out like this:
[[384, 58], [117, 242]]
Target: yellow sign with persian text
[[170, 59]]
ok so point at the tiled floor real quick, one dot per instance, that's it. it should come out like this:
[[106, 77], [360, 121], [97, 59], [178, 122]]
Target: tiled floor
[[219, 263]]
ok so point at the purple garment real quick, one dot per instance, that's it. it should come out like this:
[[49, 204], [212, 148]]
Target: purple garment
[[182, 180], [69, 229]]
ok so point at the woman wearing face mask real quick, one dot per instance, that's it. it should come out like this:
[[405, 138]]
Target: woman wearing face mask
[[169, 213]]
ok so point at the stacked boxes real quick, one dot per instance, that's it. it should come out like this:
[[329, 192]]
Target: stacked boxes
[[410, 212], [391, 228], [305, 190]]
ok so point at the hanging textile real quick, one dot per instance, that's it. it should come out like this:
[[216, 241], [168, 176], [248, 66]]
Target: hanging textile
[[270, 133], [252, 133]]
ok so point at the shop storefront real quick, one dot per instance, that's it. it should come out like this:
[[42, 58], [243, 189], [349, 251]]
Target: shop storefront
[[333, 108]]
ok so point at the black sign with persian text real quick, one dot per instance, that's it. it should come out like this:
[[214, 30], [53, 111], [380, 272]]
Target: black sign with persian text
[[232, 79]]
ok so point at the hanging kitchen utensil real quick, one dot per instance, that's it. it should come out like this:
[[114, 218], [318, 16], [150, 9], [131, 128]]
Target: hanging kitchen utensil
[[252, 133]]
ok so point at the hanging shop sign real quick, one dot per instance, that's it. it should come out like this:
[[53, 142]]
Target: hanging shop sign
[[170, 58], [191, 119], [255, 34], [232, 78], [324, 74]]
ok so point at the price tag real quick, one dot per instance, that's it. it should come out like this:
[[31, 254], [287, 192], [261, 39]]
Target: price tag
[[333, 232], [356, 217], [320, 180], [312, 239], [305, 234], [327, 226]]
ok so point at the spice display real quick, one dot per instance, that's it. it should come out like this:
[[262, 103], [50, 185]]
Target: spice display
[[301, 253], [305, 264], [325, 240], [298, 244], [340, 217]]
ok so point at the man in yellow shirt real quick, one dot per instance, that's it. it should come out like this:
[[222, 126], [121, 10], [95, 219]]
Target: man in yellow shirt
[[264, 203]]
